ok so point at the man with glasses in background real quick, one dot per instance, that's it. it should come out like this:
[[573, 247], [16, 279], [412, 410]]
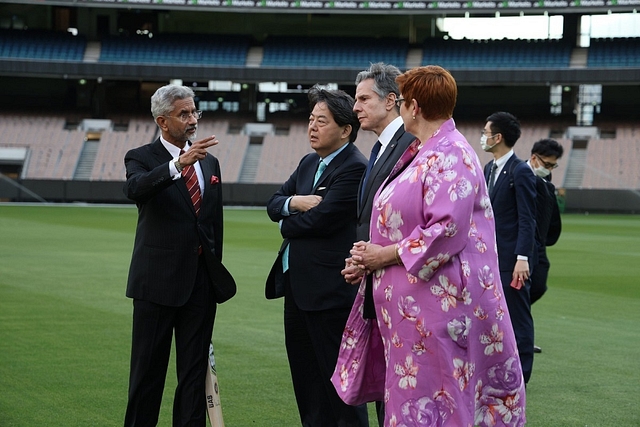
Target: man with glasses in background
[[545, 154], [175, 184], [512, 190]]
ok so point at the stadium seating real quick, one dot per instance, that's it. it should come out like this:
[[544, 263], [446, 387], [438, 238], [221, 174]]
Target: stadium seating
[[496, 53], [333, 52], [619, 52], [41, 45], [171, 48]]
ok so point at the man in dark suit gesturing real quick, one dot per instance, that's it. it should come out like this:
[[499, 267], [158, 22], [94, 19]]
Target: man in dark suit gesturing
[[512, 190], [178, 244], [316, 209], [376, 96]]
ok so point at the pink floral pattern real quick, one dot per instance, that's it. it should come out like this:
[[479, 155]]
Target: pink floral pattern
[[449, 346]]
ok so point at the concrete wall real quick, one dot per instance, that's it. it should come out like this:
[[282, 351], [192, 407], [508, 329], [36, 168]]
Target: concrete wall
[[234, 194]]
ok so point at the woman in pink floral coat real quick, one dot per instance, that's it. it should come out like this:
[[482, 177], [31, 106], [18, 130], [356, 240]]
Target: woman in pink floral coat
[[450, 351]]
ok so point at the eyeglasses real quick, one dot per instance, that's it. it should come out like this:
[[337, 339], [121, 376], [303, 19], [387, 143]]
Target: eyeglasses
[[484, 132], [185, 116], [399, 102], [547, 165]]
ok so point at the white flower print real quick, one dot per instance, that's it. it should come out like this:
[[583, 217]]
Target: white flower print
[[388, 292], [408, 308], [407, 373], [485, 276], [411, 278], [459, 330], [432, 264], [344, 378], [462, 371], [386, 318], [431, 187], [480, 313], [467, 159], [422, 328], [395, 340], [447, 292], [389, 222], [460, 189], [451, 229], [466, 269], [416, 246], [485, 202], [349, 339], [492, 340]]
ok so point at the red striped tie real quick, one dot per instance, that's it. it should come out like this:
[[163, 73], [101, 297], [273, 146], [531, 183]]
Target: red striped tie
[[189, 175]]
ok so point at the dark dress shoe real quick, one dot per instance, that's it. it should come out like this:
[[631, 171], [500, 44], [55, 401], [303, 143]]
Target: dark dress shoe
[[537, 349]]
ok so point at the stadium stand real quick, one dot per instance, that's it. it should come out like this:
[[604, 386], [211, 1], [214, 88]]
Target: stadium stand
[[41, 45], [188, 48], [333, 51], [487, 53], [619, 52]]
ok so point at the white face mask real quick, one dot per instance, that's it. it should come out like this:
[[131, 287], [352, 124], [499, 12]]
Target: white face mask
[[484, 145], [542, 172]]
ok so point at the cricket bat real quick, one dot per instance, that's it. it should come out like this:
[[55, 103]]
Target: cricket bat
[[213, 392]]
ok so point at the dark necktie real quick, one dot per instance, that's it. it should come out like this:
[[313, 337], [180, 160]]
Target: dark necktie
[[492, 177], [191, 179], [372, 160]]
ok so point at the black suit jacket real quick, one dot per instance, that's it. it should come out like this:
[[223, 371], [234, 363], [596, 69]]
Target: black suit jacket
[[378, 174], [513, 202], [168, 234], [319, 239]]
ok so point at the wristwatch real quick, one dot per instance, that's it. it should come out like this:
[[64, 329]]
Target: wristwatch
[[177, 164]]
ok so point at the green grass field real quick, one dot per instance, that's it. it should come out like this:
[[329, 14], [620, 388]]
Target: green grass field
[[65, 324]]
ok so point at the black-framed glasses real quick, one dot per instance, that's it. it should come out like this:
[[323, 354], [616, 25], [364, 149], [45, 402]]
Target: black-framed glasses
[[547, 165], [185, 116], [399, 102]]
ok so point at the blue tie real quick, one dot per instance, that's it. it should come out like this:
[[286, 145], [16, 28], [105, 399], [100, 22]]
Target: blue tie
[[372, 160], [321, 167]]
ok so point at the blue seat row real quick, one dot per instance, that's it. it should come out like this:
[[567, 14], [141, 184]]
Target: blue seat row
[[494, 53], [46, 45], [620, 52]]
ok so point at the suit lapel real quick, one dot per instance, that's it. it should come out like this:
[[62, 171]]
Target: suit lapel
[[335, 163]]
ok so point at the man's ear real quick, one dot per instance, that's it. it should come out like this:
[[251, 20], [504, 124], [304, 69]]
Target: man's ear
[[346, 132]]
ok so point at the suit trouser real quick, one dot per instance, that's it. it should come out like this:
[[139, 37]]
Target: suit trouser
[[312, 340], [539, 277], [519, 306], [153, 328]]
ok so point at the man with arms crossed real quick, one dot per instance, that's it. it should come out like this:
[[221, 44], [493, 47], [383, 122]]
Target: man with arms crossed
[[316, 209]]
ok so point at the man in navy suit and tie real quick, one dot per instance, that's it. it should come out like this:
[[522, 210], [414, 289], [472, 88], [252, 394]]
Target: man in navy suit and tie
[[177, 252], [377, 110], [512, 190], [316, 209]]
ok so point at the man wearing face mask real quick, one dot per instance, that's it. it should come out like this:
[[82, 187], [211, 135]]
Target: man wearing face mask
[[544, 158], [512, 190]]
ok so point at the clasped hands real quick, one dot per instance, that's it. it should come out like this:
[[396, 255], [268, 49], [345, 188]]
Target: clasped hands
[[365, 258], [198, 150]]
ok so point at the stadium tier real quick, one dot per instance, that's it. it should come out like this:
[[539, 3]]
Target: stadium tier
[[54, 150], [316, 52]]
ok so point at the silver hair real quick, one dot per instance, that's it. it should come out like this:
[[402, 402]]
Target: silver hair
[[384, 78], [162, 101]]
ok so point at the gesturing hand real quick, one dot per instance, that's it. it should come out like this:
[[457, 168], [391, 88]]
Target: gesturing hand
[[198, 150]]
